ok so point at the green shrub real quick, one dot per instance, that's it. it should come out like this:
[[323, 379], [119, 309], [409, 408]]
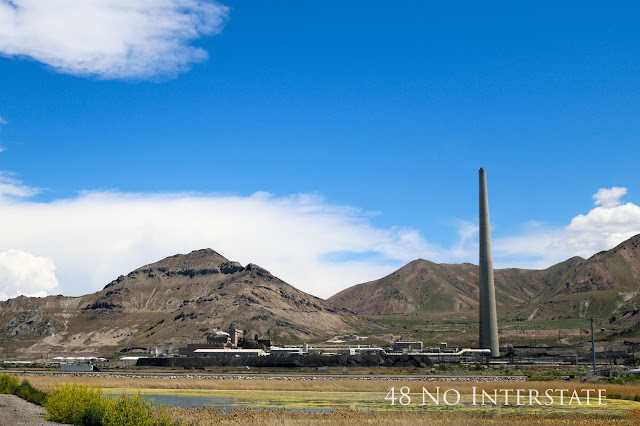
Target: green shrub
[[540, 379], [135, 411], [77, 405], [29, 393], [8, 383]]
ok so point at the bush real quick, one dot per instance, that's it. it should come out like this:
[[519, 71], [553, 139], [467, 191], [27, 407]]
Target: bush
[[83, 405], [77, 405], [29, 393], [135, 411], [8, 383]]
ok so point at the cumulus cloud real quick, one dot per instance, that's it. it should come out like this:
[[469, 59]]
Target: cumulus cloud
[[317, 246], [22, 273], [609, 198], [110, 38], [96, 236], [601, 228]]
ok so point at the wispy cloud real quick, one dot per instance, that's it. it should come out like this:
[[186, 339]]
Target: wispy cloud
[[110, 39], [12, 187], [465, 249], [2, 122]]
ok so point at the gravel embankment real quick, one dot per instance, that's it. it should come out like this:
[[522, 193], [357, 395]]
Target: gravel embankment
[[15, 411]]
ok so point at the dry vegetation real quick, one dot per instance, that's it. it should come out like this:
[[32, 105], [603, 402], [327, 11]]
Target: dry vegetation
[[206, 416], [209, 416], [321, 385]]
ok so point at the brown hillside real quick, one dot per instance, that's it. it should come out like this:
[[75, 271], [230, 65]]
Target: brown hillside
[[607, 284], [173, 301]]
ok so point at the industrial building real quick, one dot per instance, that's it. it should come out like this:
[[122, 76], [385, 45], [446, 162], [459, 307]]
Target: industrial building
[[216, 352], [407, 346], [324, 350]]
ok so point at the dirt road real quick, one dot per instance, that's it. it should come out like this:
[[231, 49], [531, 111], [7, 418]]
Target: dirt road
[[15, 411]]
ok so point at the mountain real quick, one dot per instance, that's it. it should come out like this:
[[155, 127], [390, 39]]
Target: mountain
[[180, 298], [173, 301], [605, 285]]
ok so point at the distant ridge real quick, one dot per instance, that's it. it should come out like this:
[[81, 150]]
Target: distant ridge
[[605, 285]]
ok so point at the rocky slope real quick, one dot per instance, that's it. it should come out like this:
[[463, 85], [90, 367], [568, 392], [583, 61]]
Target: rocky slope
[[606, 285], [172, 302]]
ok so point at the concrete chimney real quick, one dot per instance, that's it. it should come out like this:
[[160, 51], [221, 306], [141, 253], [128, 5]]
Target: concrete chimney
[[488, 314]]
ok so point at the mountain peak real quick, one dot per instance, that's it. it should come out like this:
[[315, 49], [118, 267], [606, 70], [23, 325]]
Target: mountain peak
[[631, 243], [198, 262], [197, 259]]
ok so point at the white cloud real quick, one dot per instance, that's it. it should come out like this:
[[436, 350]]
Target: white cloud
[[97, 236], [2, 121], [608, 198], [23, 273], [600, 229], [466, 248], [314, 245], [110, 38], [12, 187]]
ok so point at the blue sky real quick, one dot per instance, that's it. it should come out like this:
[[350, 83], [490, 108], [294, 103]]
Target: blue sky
[[371, 115]]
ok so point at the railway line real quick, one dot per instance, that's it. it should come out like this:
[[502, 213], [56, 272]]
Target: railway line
[[270, 376]]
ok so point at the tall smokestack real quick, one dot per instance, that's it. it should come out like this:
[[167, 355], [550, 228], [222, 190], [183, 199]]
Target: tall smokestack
[[488, 315]]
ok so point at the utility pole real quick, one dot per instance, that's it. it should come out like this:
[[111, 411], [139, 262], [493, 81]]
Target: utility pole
[[593, 346]]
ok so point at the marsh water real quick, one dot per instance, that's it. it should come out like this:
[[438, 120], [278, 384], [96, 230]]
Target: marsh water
[[226, 403], [367, 401], [229, 399]]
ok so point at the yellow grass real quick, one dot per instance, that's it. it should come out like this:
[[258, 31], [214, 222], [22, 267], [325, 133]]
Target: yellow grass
[[206, 416], [334, 385]]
